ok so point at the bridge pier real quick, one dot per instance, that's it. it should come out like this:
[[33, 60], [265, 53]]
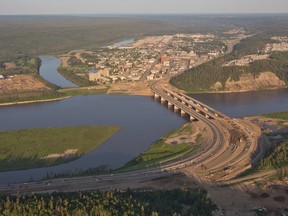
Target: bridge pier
[[183, 113], [191, 118], [162, 100], [170, 104], [156, 96], [176, 109]]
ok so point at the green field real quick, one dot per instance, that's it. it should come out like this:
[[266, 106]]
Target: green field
[[23, 149], [158, 153], [162, 152]]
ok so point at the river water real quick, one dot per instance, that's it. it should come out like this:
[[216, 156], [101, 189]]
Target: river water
[[246, 103], [124, 42], [142, 119], [48, 71]]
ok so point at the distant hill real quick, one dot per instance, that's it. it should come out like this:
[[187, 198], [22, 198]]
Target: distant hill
[[262, 74]]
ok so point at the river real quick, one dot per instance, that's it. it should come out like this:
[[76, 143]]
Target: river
[[48, 71], [143, 121], [124, 42], [246, 103]]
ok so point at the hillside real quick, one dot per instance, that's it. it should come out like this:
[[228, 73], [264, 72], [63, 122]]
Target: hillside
[[267, 73]]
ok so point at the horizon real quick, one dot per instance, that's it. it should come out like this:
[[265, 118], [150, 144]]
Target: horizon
[[68, 7], [147, 14]]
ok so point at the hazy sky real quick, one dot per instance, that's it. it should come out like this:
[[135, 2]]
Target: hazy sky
[[141, 6]]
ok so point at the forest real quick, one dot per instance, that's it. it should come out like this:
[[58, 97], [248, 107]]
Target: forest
[[141, 203]]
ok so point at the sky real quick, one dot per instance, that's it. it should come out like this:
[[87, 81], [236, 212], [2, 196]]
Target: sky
[[19, 7]]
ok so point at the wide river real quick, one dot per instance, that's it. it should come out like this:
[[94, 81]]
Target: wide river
[[143, 121], [247, 103]]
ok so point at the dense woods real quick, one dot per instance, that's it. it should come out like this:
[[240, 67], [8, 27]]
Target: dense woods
[[174, 202]]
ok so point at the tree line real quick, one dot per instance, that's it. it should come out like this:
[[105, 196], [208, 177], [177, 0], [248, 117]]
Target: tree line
[[142, 203]]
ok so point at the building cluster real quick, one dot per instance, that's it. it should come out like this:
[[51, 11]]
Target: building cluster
[[246, 60], [280, 47], [161, 55]]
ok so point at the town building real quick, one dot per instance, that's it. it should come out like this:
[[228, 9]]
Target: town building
[[99, 74]]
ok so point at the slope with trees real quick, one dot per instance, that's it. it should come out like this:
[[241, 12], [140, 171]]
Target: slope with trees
[[204, 77]]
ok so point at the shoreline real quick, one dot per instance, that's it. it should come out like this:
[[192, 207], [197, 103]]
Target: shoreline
[[240, 91], [35, 101], [133, 94]]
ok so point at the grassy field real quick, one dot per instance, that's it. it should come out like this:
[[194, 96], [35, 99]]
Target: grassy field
[[278, 115], [23, 149], [34, 96], [160, 152]]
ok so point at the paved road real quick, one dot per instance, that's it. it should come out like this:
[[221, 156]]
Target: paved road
[[148, 71]]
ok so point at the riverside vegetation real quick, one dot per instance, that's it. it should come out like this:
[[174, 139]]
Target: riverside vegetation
[[161, 151], [31, 148]]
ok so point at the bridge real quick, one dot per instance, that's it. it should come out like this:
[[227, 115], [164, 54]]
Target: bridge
[[187, 105]]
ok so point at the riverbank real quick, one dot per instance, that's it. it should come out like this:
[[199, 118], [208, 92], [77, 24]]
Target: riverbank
[[64, 94], [238, 91]]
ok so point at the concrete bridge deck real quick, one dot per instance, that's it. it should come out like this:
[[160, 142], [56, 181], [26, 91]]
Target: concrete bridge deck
[[186, 104]]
